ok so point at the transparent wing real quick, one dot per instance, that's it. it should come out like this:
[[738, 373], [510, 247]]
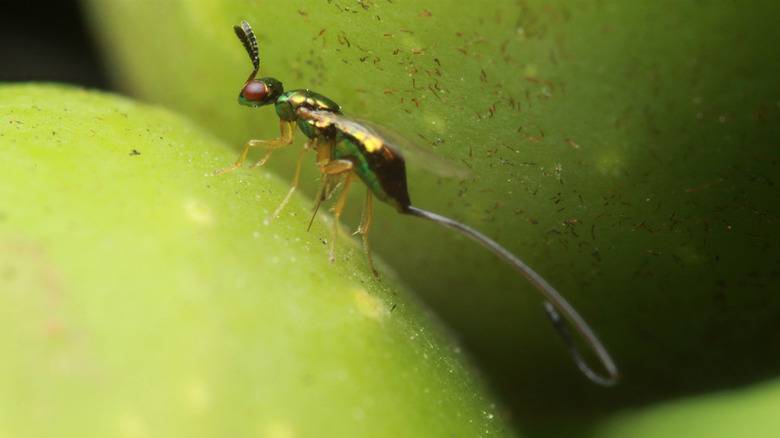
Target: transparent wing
[[412, 152]]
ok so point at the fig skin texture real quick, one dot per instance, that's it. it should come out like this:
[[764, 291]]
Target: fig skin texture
[[141, 296]]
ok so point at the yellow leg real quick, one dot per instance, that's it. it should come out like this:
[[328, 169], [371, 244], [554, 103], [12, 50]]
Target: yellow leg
[[336, 213], [287, 129], [328, 184], [323, 149], [333, 169], [306, 147], [365, 224], [320, 198]]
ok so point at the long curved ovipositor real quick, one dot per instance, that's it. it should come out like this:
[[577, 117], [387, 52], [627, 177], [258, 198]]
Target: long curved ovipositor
[[349, 149], [555, 300]]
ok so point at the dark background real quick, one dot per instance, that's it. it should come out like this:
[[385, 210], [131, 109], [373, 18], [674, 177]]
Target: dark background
[[48, 41]]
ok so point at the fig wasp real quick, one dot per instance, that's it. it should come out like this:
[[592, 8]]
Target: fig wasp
[[349, 149]]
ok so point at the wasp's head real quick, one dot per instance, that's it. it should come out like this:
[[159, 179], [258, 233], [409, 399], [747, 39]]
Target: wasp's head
[[260, 92]]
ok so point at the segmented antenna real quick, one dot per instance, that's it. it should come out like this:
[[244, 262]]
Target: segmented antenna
[[245, 34]]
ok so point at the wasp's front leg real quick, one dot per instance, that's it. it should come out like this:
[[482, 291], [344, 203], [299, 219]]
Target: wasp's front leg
[[287, 129]]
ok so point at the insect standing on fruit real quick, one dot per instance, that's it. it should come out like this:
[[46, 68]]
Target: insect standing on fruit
[[348, 149]]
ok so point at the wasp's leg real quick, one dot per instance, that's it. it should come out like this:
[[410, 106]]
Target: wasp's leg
[[365, 224], [306, 147], [287, 129], [323, 148], [333, 168], [320, 198], [328, 184]]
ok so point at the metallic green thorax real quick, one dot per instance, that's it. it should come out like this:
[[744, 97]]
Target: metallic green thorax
[[378, 164], [292, 100]]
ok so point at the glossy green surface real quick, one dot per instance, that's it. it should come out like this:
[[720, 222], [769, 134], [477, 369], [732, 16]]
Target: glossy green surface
[[626, 150], [747, 411], [141, 296]]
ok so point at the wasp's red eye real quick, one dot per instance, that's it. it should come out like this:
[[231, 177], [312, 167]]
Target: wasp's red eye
[[254, 91]]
